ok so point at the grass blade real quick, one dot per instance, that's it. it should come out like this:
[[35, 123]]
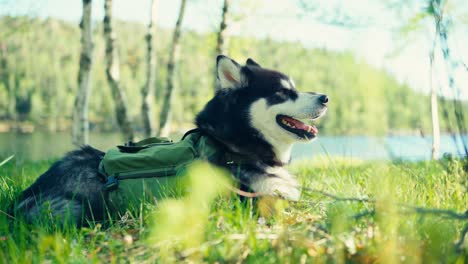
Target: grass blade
[[6, 160]]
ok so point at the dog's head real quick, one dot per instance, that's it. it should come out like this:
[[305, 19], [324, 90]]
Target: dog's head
[[255, 105]]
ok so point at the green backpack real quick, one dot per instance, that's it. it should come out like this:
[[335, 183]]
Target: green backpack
[[150, 169]]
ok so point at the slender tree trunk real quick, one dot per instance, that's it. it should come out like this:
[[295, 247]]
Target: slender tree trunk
[[5, 79], [166, 111], [435, 125], [221, 43], [80, 128], [451, 65], [4, 65], [113, 74], [11, 97], [147, 93], [434, 107]]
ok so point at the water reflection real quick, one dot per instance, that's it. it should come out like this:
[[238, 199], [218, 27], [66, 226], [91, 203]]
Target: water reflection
[[42, 146]]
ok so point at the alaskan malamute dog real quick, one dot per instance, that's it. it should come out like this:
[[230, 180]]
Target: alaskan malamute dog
[[256, 113]]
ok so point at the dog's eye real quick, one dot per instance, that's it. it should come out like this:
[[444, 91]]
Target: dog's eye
[[280, 92], [292, 93], [279, 96], [288, 93]]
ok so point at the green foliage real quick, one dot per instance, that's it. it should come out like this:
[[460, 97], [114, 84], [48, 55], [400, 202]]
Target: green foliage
[[209, 225], [39, 66], [184, 220]]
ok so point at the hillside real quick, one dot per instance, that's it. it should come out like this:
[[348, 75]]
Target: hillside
[[39, 65]]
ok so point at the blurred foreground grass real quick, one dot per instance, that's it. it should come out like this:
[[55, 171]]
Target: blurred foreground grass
[[211, 224]]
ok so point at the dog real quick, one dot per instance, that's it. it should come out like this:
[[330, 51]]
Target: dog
[[256, 112]]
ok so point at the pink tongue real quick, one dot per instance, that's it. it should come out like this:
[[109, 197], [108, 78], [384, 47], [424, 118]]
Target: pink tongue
[[299, 125]]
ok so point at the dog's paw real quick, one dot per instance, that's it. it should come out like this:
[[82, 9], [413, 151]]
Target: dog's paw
[[275, 186]]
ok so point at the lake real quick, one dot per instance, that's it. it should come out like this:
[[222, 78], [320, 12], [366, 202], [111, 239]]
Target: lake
[[43, 145]]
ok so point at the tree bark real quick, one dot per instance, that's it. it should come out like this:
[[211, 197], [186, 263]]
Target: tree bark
[[113, 74], [221, 42], [166, 110], [80, 128], [450, 65], [147, 93], [5, 79], [434, 107]]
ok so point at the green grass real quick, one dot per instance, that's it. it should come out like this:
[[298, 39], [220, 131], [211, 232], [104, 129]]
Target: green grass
[[211, 224]]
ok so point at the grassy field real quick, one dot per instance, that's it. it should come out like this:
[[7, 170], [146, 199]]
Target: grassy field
[[211, 224]]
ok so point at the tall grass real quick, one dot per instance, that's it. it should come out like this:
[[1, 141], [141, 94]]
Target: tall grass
[[211, 224]]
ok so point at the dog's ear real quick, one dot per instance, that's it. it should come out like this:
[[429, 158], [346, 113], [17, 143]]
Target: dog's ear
[[251, 62], [229, 73]]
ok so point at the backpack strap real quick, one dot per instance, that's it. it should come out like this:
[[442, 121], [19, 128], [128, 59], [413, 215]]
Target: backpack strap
[[148, 141], [234, 158], [191, 131], [227, 156], [132, 147], [112, 182]]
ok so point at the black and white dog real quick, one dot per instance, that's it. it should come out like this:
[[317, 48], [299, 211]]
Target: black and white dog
[[256, 113]]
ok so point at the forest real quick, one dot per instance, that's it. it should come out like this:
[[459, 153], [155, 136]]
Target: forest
[[397, 193], [39, 65]]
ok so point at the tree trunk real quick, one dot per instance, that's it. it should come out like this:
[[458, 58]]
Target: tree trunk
[[147, 93], [434, 108], [80, 128], [113, 74], [11, 97], [222, 35], [166, 110], [450, 65], [5, 79]]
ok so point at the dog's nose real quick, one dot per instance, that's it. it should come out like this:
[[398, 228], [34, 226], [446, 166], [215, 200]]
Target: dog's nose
[[323, 99]]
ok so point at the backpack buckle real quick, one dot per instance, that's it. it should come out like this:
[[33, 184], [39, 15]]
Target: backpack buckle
[[129, 144], [112, 183]]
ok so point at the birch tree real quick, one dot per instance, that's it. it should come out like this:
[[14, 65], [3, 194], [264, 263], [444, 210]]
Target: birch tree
[[166, 110], [434, 107], [442, 21], [437, 10], [113, 74], [147, 93], [80, 128]]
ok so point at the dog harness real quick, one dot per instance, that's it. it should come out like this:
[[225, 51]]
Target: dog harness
[[150, 169]]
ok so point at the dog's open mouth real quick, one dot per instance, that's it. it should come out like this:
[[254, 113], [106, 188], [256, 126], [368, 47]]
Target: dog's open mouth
[[299, 128]]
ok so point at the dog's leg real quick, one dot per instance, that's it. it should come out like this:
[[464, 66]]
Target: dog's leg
[[276, 186], [276, 181]]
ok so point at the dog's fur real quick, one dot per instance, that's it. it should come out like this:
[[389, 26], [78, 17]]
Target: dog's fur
[[246, 115]]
